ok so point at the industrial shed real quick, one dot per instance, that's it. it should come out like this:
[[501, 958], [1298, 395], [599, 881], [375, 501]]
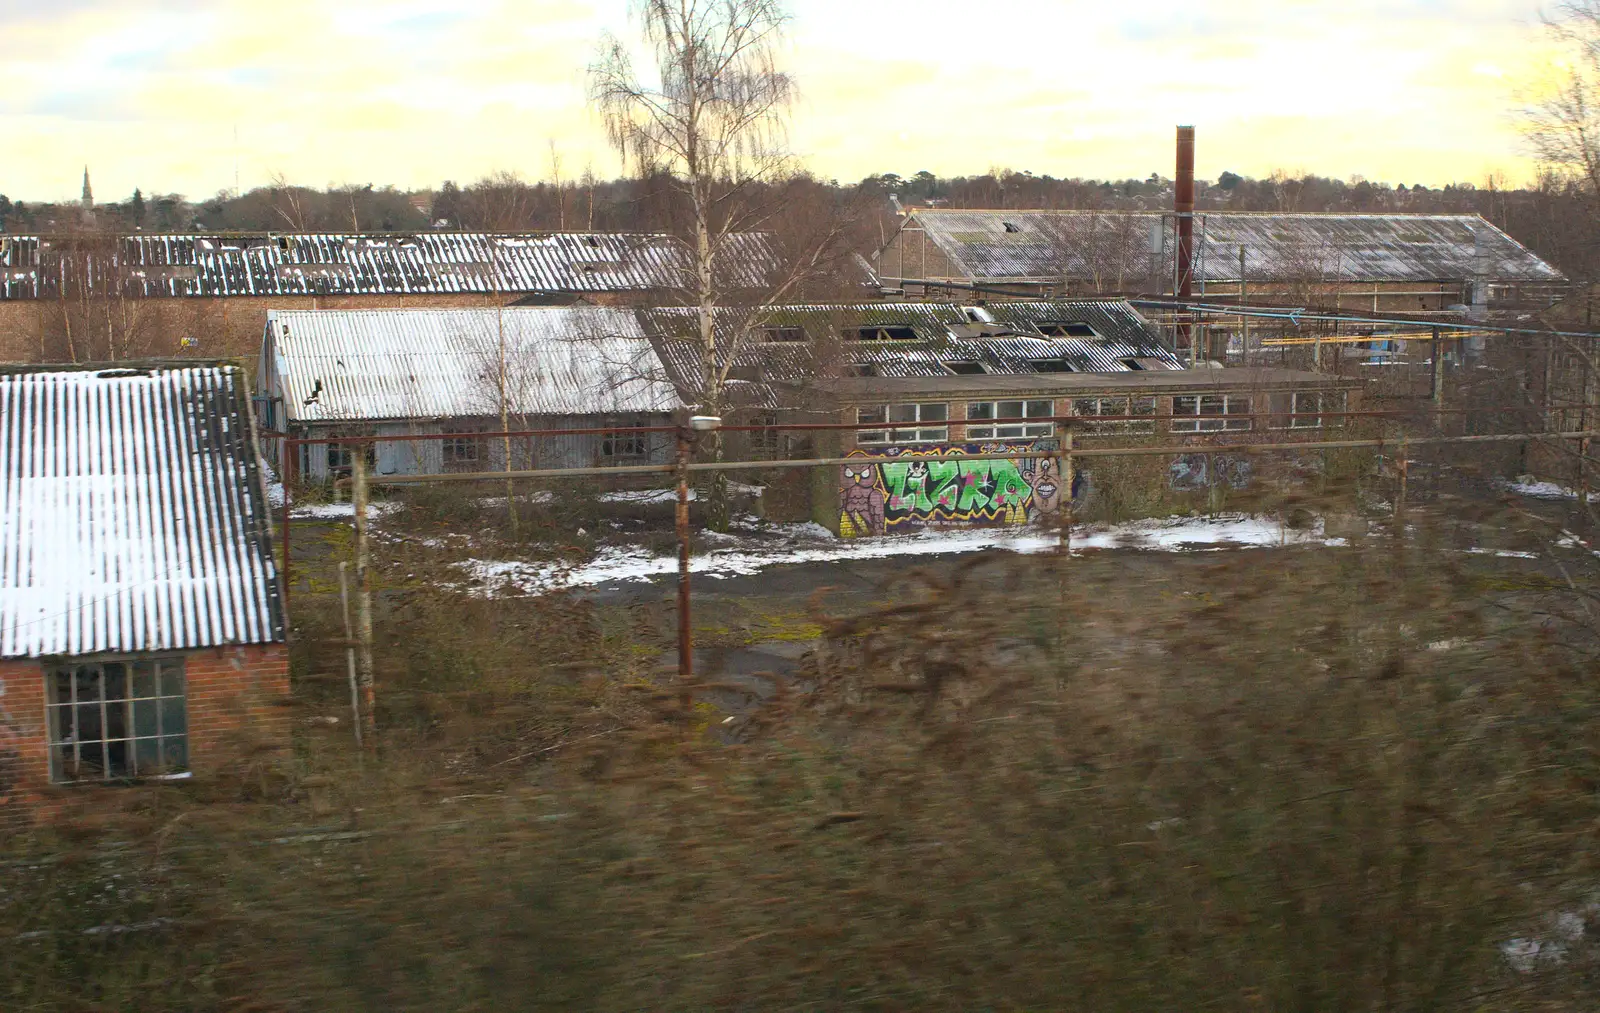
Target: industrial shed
[[1378, 262], [141, 625], [468, 372]]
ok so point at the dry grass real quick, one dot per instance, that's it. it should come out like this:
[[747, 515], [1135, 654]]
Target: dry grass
[[1287, 780]]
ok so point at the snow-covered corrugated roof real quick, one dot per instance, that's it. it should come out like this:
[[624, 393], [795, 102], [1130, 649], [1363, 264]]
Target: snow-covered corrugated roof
[[446, 363], [132, 516], [266, 264], [1116, 248]]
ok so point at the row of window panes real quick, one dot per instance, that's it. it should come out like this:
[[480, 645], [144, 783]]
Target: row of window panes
[[471, 449], [1089, 407], [117, 719], [998, 411]]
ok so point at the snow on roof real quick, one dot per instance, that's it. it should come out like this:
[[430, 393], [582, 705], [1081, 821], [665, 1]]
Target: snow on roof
[[272, 264], [132, 516], [1051, 245], [446, 363]]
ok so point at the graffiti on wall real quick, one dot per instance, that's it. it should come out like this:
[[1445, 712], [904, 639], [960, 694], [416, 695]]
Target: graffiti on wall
[[1197, 472], [895, 488]]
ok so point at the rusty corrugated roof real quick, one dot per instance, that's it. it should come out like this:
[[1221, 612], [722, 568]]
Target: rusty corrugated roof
[[266, 264], [132, 515], [1122, 249]]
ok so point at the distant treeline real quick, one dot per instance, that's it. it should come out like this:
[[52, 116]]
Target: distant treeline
[[1556, 217]]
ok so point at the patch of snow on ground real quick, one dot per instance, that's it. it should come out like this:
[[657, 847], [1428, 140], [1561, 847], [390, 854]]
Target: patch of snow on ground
[[1527, 485], [339, 511], [812, 543]]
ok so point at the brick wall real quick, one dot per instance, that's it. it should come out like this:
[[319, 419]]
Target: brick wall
[[238, 715]]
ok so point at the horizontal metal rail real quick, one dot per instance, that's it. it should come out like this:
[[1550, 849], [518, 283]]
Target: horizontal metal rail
[[1023, 453]]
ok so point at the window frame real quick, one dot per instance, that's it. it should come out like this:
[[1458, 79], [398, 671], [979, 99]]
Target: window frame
[[884, 414], [637, 444], [881, 334], [1322, 403], [797, 335], [1116, 405], [995, 426], [1233, 414], [449, 451], [101, 709]]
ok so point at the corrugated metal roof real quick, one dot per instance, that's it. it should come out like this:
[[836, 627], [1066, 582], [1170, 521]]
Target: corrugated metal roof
[[1132, 246], [132, 516], [945, 332], [445, 363], [34, 267]]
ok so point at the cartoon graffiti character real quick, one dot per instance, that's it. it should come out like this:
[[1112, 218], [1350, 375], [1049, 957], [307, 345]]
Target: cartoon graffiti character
[[1043, 475], [861, 501]]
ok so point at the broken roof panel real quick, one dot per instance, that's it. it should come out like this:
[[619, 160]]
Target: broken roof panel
[[266, 264], [446, 363], [1118, 249], [1001, 338], [132, 514]]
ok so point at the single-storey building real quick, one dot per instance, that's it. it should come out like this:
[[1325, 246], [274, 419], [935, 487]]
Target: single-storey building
[[1379, 263], [141, 623], [465, 372]]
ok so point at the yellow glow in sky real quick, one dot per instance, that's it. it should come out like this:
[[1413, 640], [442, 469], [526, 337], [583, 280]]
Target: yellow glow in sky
[[153, 93]]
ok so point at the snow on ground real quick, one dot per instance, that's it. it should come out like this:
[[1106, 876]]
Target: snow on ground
[[339, 511], [788, 545], [1527, 485]]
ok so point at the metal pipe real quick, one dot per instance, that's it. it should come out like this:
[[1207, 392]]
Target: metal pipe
[[1021, 452], [685, 626]]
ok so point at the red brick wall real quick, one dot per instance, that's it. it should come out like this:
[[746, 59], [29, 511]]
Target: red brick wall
[[237, 709]]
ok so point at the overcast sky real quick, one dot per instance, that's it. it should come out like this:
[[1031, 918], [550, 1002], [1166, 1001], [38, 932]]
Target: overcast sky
[[154, 93]]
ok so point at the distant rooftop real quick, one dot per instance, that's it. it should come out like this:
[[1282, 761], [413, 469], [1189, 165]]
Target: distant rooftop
[[1049, 246], [290, 264]]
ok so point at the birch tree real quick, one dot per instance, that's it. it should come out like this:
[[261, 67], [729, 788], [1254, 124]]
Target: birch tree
[[710, 112]]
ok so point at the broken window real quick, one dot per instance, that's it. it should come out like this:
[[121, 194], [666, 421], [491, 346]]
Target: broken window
[[115, 720], [1091, 407], [1051, 366], [965, 368], [904, 413], [1011, 226], [774, 335], [880, 334], [1302, 409], [997, 416], [1133, 364], [1065, 329], [863, 369], [617, 445], [1211, 413], [764, 442]]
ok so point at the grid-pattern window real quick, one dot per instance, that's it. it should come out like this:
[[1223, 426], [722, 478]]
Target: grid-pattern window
[[1210, 413], [341, 458], [614, 445], [462, 450], [111, 720], [764, 441], [904, 413], [1302, 409], [1090, 407], [1006, 420]]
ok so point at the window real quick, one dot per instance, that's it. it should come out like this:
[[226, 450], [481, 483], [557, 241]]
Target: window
[[112, 720], [997, 412], [1092, 406], [462, 450], [1133, 364], [900, 413], [764, 441], [863, 369], [613, 445], [1011, 226], [1213, 412], [341, 458], [1063, 329], [880, 334], [1302, 409], [963, 368], [1051, 366], [781, 335]]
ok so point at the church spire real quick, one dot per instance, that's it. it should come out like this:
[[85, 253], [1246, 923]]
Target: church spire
[[88, 193]]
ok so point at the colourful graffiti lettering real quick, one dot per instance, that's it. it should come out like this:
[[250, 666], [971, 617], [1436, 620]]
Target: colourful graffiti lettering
[[902, 487]]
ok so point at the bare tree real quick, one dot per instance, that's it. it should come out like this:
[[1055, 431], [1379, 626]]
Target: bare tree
[[711, 115], [1563, 125]]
